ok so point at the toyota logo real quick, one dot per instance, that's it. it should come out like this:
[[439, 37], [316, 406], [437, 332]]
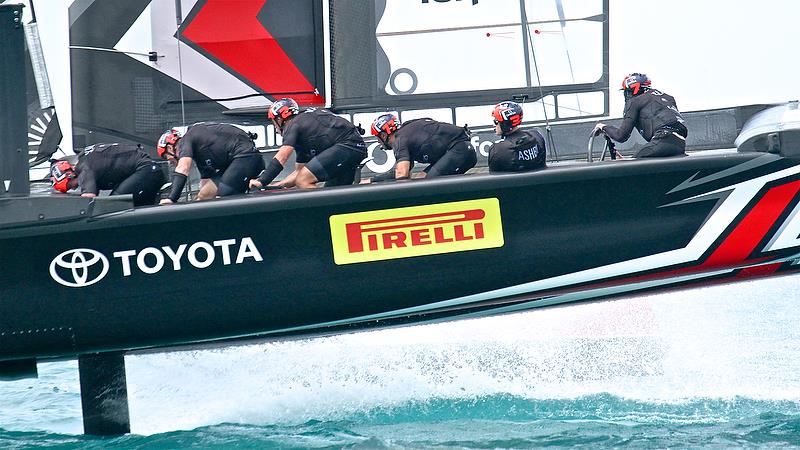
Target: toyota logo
[[79, 267]]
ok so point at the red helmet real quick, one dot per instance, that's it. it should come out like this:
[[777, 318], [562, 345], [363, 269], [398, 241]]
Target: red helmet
[[282, 108], [170, 137], [60, 174], [635, 83], [508, 115], [385, 123]]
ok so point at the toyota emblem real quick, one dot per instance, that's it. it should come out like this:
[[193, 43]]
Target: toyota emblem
[[79, 267]]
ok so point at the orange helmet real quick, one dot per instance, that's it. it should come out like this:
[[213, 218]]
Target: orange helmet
[[508, 115], [170, 137], [635, 83], [385, 123], [60, 174], [282, 108]]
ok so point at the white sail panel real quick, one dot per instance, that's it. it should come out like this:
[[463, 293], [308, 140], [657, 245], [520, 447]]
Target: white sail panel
[[457, 46], [402, 16], [550, 10], [445, 61], [570, 55]]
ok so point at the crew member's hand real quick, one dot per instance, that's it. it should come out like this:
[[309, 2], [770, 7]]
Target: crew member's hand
[[255, 184], [166, 201], [88, 195], [598, 128]]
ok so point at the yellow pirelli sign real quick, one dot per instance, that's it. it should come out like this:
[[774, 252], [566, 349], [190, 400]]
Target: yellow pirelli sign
[[416, 231]]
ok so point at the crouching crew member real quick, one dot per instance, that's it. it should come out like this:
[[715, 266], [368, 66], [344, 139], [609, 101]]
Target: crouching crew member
[[443, 146], [225, 155], [654, 114], [120, 168], [519, 150], [329, 148]]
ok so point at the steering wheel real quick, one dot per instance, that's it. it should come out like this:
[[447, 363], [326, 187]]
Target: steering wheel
[[608, 146]]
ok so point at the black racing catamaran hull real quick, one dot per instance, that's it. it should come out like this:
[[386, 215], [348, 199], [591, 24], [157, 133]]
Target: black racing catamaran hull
[[305, 263]]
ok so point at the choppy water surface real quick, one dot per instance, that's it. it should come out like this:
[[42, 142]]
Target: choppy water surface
[[715, 367]]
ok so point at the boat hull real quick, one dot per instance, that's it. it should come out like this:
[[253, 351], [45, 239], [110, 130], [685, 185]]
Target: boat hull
[[340, 259]]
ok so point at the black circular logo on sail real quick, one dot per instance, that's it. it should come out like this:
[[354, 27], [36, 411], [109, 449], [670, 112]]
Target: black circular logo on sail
[[79, 267]]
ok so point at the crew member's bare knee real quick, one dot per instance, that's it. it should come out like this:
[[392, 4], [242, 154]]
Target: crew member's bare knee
[[305, 179], [207, 191]]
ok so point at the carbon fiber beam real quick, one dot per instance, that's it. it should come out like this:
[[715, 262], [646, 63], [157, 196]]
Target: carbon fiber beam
[[13, 107]]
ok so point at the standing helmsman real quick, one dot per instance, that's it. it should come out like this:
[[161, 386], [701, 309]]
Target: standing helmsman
[[120, 168], [519, 150], [654, 114]]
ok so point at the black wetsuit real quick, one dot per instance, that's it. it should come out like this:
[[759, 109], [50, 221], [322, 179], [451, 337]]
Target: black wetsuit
[[224, 153], [330, 146], [658, 120], [519, 151], [122, 169], [445, 147]]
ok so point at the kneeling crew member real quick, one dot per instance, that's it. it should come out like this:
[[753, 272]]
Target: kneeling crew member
[[225, 155], [654, 114], [121, 168], [520, 150], [329, 148], [443, 146]]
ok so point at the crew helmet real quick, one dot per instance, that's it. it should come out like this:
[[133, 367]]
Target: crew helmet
[[385, 123], [283, 108], [635, 83], [60, 174], [170, 137], [508, 115]]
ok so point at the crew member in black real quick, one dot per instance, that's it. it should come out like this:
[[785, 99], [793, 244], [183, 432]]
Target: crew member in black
[[329, 148], [225, 155], [654, 114], [120, 168], [443, 146], [520, 150]]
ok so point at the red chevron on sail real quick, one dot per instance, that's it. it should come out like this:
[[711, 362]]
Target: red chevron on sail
[[237, 40]]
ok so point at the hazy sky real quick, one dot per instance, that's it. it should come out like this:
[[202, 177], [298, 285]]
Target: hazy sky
[[708, 53]]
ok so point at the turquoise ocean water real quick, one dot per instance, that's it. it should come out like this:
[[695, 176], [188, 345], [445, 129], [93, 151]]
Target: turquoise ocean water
[[715, 367]]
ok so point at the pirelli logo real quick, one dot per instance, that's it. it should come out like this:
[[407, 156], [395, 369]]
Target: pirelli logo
[[416, 231]]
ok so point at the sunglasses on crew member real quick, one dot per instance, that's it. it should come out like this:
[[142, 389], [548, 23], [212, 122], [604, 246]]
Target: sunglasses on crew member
[[383, 138]]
